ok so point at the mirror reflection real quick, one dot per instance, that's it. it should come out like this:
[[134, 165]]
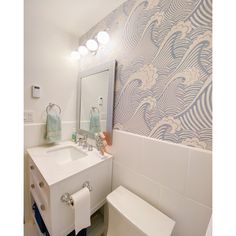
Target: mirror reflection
[[95, 101], [93, 110]]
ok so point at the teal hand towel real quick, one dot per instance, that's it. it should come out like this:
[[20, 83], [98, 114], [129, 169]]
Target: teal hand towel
[[94, 125], [53, 127]]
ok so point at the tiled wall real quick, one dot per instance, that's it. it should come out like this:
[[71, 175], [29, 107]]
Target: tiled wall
[[173, 178], [163, 83]]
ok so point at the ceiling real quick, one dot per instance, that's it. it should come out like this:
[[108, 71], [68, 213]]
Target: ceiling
[[73, 16]]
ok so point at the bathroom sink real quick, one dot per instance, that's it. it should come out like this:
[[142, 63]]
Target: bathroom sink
[[62, 168], [63, 160], [65, 155]]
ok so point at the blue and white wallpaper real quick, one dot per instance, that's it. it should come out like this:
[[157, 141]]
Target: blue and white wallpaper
[[164, 70]]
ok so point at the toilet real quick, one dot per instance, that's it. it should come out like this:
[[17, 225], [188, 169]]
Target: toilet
[[129, 215]]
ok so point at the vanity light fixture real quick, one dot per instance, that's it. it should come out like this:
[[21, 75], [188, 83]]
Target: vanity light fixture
[[103, 37], [92, 45], [75, 55], [83, 51]]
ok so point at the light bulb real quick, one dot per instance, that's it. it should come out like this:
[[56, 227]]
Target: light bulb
[[83, 50], [75, 55], [92, 45], [103, 37]]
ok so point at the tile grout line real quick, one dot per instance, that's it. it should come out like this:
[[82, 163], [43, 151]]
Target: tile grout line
[[124, 132], [187, 172], [44, 123], [160, 185]]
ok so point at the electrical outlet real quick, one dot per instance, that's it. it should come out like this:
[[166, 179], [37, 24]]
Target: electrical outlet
[[28, 116]]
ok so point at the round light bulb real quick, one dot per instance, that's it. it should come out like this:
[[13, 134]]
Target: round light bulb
[[75, 55], [92, 45], [103, 37], [83, 50]]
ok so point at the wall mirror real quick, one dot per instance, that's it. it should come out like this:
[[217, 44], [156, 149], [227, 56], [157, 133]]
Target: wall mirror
[[95, 100]]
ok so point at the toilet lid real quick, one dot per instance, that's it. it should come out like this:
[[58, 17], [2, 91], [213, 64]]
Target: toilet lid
[[141, 214]]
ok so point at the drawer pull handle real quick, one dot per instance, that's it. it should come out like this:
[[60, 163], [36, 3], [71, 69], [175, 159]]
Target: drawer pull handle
[[41, 184], [32, 167], [42, 207], [32, 185]]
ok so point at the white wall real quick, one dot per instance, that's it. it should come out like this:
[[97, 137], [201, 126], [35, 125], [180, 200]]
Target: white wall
[[47, 64], [173, 178]]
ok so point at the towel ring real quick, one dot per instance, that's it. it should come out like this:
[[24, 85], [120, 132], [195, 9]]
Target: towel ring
[[51, 105], [94, 109]]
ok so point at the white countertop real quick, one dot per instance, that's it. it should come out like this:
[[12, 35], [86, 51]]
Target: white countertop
[[53, 172]]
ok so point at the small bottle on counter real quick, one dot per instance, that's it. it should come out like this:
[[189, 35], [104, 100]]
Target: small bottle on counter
[[74, 135]]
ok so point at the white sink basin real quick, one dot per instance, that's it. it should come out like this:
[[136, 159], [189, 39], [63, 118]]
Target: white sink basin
[[65, 155]]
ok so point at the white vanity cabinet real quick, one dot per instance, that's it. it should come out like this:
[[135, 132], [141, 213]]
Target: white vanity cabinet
[[48, 182], [40, 192]]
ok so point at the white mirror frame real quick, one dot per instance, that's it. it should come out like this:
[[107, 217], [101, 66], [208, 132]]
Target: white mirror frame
[[111, 68]]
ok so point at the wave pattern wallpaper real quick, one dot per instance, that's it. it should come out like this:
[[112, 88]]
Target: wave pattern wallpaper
[[164, 68]]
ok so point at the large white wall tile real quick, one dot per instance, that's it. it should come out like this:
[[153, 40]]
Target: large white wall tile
[[165, 163], [127, 148], [140, 185], [191, 217], [199, 179], [34, 134], [149, 167]]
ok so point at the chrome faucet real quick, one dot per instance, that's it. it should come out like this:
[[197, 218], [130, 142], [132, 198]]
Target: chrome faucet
[[90, 147], [85, 141], [80, 141]]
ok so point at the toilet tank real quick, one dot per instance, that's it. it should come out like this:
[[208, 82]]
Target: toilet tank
[[131, 215]]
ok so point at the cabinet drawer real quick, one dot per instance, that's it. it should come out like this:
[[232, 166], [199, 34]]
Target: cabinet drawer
[[41, 204], [38, 182]]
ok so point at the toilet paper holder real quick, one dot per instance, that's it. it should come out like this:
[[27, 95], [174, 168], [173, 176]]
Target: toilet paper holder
[[66, 197]]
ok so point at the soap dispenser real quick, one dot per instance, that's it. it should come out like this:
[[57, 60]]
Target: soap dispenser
[[74, 135]]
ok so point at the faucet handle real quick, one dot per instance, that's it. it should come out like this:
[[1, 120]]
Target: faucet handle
[[80, 141], [85, 143], [90, 147]]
